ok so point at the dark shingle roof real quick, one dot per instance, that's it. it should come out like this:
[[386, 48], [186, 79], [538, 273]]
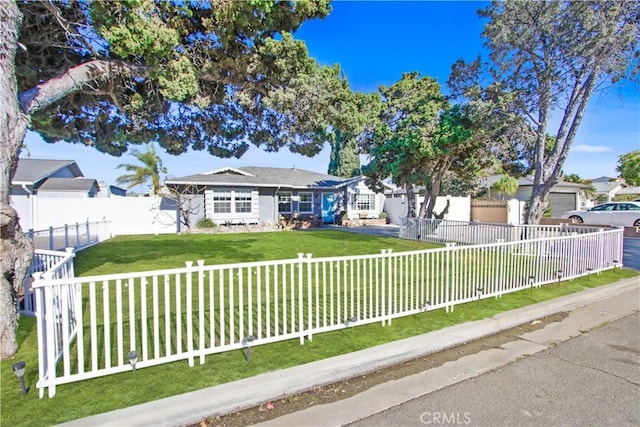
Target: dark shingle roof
[[68, 184], [32, 171], [262, 177]]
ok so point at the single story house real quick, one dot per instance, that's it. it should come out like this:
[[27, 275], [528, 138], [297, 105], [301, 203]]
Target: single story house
[[564, 196], [256, 195], [606, 188]]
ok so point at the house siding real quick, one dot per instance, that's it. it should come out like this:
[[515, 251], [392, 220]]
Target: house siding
[[232, 217], [358, 189]]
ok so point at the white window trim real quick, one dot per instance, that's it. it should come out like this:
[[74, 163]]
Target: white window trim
[[300, 202], [282, 193]]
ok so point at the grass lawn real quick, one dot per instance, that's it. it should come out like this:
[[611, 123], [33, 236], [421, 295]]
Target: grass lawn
[[137, 253]]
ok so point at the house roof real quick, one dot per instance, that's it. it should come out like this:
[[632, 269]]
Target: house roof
[[629, 190], [528, 182], [32, 171], [606, 179], [606, 187], [254, 176], [69, 184]]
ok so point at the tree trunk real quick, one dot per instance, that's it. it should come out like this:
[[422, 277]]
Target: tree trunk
[[537, 204], [431, 194], [15, 248], [411, 201]]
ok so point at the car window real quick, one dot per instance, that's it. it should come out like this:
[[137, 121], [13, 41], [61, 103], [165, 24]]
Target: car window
[[633, 207], [605, 207]]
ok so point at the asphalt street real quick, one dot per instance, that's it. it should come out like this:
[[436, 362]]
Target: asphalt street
[[631, 253], [593, 379]]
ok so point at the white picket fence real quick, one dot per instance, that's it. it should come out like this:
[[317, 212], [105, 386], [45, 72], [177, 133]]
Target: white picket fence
[[189, 313]]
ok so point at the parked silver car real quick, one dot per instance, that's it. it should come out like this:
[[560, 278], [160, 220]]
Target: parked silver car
[[613, 213]]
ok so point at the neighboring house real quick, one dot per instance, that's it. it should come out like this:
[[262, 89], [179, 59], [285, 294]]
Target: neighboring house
[[628, 193], [606, 188], [31, 174], [68, 187], [107, 190], [255, 195], [564, 196]]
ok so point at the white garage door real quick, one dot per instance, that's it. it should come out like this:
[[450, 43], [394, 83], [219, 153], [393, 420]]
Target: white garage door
[[562, 202]]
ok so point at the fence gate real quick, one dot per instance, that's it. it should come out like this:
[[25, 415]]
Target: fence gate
[[495, 211]]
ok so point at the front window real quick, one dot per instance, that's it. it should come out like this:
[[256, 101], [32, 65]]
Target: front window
[[306, 202], [243, 201], [284, 203], [363, 202], [222, 201]]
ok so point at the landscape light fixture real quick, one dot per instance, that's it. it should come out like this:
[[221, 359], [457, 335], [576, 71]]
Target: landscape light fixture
[[247, 342], [18, 369], [133, 359]]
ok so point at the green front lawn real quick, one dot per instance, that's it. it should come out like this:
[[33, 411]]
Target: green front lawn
[[137, 253]]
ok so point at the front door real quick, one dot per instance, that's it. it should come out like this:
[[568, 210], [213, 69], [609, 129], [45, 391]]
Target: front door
[[328, 207]]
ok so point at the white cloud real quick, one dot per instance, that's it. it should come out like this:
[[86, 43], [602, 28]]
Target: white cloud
[[589, 148]]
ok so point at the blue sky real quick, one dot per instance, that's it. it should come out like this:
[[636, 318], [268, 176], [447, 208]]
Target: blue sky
[[375, 42]]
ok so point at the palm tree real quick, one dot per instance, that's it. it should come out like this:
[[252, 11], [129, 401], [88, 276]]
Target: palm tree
[[150, 169], [506, 185]]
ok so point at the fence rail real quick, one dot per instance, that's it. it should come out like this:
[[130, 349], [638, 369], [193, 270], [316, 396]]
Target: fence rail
[[76, 236], [474, 233], [191, 312]]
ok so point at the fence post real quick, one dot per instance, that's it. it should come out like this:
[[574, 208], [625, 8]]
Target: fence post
[[201, 331], [300, 309], [382, 287], [88, 232], [50, 238], [189, 313], [448, 282], [77, 234], [390, 285], [42, 338], [309, 300]]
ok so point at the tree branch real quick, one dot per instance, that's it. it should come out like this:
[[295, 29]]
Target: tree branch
[[73, 80]]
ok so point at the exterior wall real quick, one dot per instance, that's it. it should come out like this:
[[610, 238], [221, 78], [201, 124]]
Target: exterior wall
[[22, 205], [65, 194], [357, 189], [65, 172], [17, 190], [267, 205], [232, 217], [459, 208], [296, 209]]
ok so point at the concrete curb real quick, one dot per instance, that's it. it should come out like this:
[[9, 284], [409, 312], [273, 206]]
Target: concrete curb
[[191, 407]]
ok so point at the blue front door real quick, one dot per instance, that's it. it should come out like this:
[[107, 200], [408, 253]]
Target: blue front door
[[328, 207]]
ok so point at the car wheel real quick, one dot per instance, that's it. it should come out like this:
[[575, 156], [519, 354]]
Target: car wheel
[[637, 223], [576, 219]]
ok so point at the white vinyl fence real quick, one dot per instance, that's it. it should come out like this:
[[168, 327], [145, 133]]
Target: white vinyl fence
[[78, 236], [189, 313], [52, 264]]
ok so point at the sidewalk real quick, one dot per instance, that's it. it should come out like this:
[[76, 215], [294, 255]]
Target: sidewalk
[[588, 309]]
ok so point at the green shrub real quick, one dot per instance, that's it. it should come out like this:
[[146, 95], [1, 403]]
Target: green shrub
[[205, 223]]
